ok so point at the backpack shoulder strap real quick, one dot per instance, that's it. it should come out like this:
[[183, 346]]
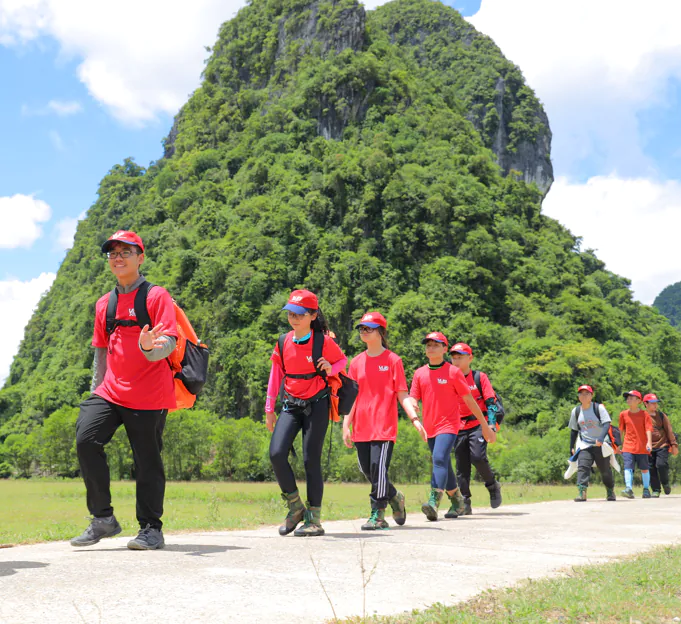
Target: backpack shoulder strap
[[141, 310], [111, 312], [578, 411], [317, 351], [478, 382], [280, 344], [597, 411]]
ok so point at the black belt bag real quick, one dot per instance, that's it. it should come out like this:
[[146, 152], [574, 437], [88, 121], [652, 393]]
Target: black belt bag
[[294, 404]]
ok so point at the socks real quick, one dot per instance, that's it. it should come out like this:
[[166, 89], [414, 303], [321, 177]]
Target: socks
[[629, 478], [646, 480]]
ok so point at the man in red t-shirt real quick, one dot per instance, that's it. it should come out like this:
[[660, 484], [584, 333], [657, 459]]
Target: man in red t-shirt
[[440, 386], [471, 446], [133, 386]]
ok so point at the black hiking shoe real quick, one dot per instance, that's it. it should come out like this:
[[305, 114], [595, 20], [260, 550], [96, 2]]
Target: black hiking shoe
[[148, 538], [646, 493], [399, 509], [667, 490], [494, 495], [98, 529], [610, 494], [628, 493], [467, 507]]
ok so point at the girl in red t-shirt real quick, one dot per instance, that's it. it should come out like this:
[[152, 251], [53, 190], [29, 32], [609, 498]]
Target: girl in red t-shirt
[[305, 407], [373, 418]]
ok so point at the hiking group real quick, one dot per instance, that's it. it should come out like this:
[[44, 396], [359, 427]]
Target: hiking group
[[148, 360]]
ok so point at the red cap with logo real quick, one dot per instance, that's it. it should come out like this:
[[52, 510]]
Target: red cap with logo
[[635, 393], [585, 387], [123, 236], [651, 398], [300, 301], [373, 319], [437, 337], [461, 347]]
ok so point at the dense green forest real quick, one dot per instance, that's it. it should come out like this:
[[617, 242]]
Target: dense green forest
[[392, 160], [668, 302]]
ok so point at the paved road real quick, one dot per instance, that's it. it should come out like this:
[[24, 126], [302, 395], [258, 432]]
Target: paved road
[[259, 577]]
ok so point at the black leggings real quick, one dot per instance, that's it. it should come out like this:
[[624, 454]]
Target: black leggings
[[314, 428]]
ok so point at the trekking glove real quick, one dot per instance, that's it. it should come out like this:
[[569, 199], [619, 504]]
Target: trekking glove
[[491, 411]]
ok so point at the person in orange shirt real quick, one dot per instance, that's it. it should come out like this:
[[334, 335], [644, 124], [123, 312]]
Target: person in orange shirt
[[636, 427]]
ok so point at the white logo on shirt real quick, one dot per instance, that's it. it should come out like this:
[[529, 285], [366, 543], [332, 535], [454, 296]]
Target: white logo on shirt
[[131, 312], [309, 359], [473, 387], [383, 369], [442, 381]]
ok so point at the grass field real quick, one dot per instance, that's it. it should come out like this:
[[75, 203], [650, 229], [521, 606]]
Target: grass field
[[42, 510], [645, 589]]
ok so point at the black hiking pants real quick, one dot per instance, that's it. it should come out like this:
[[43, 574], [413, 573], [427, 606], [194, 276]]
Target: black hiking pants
[[586, 459], [313, 423], [374, 461], [659, 469], [471, 449], [97, 422]]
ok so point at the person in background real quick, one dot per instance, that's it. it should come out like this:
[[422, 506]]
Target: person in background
[[664, 442], [636, 427]]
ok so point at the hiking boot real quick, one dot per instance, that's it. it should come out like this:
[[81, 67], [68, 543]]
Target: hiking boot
[[312, 526], [296, 512], [581, 497], [656, 493], [98, 528], [399, 509], [457, 507], [467, 507], [646, 493], [430, 508], [610, 494], [376, 521], [667, 490], [494, 494], [148, 538], [628, 493]]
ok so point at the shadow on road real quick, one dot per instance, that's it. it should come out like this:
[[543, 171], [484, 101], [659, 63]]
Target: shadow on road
[[491, 514], [7, 568], [195, 550], [362, 535]]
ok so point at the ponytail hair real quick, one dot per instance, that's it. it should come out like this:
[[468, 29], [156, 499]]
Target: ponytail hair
[[384, 336], [319, 324]]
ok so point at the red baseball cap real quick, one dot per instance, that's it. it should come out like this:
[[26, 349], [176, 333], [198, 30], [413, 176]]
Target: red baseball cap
[[300, 301], [635, 393], [437, 337], [373, 319], [651, 398], [461, 347], [587, 388], [123, 236]]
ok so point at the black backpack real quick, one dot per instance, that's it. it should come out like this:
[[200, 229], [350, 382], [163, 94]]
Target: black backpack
[[501, 412], [347, 393], [615, 433]]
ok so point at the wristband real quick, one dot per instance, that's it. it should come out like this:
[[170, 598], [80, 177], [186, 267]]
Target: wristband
[[145, 350]]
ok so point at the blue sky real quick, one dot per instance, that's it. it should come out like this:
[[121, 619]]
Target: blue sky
[[84, 87]]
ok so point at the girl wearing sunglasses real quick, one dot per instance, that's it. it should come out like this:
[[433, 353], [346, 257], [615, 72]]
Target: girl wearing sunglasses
[[305, 408], [373, 419]]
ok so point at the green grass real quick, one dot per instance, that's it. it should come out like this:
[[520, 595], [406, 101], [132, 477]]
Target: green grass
[[645, 589], [40, 510]]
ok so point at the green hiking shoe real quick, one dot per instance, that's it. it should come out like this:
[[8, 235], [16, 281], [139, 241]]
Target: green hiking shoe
[[457, 507], [397, 504], [581, 497], [296, 512], [628, 493], [430, 508], [646, 493], [656, 494], [312, 527], [610, 494], [376, 521]]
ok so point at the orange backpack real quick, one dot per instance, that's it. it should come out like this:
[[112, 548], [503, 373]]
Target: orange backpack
[[189, 359]]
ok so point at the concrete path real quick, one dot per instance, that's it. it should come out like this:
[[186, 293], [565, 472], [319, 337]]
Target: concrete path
[[259, 577]]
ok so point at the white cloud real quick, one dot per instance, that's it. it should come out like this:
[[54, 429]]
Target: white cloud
[[65, 231], [57, 107], [21, 216], [56, 140], [17, 302], [595, 65], [633, 224], [139, 57]]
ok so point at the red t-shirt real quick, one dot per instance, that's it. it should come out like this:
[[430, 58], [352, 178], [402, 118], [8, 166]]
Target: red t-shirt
[[298, 361], [487, 393], [131, 380], [438, 391], [633, 427], [380, 378]]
